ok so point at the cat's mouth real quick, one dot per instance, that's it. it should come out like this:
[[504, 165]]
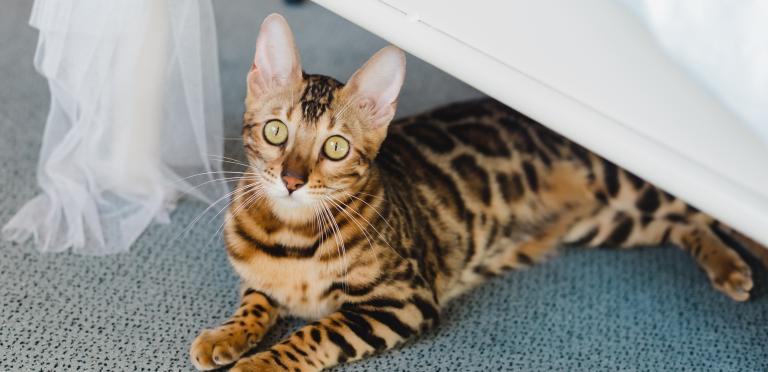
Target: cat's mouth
[[280, 193], [297, 206], [300, 205]]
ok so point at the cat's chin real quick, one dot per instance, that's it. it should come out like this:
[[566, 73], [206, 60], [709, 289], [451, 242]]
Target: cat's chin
[[293, 208]]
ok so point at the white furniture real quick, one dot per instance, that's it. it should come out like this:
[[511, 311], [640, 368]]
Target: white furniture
[[589, 70]]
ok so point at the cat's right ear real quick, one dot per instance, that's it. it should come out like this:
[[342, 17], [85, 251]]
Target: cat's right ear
[[376, 85], [276, 63]]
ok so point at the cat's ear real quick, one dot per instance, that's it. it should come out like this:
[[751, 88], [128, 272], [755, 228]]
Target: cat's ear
[[276, 62], [375, 86]]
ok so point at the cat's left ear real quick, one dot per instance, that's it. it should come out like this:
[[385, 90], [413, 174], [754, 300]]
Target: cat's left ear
[[375, 86], [276, 63]]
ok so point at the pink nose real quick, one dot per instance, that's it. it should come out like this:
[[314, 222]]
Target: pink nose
[[292, 183]]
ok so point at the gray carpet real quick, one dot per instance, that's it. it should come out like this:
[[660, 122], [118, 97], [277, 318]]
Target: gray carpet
[[648, 309]]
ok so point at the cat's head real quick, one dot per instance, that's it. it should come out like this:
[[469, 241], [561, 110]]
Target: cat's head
[[308, 138]]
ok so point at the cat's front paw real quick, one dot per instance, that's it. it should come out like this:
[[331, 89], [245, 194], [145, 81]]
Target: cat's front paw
[[218, 347], [257, 363]]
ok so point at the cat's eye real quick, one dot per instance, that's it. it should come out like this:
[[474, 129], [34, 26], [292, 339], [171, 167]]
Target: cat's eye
[[336, 147], [276, 132]]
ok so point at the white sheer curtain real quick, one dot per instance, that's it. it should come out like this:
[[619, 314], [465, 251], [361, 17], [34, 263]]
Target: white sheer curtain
[[135, 110]]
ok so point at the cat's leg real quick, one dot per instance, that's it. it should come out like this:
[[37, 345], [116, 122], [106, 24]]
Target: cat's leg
[[642, 215], [545, 242], [225, 344], [726, 269], [356, 331]]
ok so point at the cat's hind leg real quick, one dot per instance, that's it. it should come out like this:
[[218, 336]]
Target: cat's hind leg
[[642, 215]]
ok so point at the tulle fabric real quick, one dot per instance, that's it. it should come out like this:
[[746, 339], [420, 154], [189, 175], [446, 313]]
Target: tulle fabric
[[135, 110]]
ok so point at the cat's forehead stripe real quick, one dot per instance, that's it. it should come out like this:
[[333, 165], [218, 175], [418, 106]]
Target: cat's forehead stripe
[[317, 96]]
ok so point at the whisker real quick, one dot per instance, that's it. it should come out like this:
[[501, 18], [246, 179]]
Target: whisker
[[321, 222], [382, 198], [223, 179], [257, 195], [339, 240], [377, 230], [229, 160], [240, 192], [201, 214], [214, 173], [224, 157], [366, 194], [372, 207], [224, 161], [365, 233]]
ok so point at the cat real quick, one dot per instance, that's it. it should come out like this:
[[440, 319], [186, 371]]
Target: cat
[[369, 228]]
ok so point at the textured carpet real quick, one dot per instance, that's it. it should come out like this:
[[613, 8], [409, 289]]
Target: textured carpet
[[648, 309]]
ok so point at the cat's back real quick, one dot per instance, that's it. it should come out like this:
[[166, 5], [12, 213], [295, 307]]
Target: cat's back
[[447, 158], [480, 142], [482, 127], [477, 175]]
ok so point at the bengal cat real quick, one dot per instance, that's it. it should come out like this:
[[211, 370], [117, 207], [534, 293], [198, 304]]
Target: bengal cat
[[369, 229]]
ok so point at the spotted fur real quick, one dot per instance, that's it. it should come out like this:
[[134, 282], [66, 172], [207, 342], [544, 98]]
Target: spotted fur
[[447, 200], [317, 96]]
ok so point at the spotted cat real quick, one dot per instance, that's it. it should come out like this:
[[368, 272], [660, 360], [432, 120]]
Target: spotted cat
[[368, 228]]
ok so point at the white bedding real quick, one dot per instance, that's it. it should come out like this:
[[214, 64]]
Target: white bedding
[[723, 44]]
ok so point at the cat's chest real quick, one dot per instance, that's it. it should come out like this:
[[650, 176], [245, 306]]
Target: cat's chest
[[299, 285]]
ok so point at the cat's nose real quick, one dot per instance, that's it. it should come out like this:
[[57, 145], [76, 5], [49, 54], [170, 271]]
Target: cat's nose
[[292, 182]]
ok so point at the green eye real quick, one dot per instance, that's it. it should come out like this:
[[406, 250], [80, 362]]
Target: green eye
[[276, 132], [336, 147]]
